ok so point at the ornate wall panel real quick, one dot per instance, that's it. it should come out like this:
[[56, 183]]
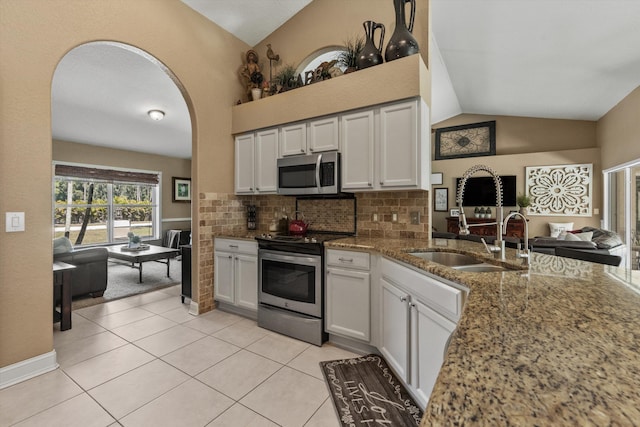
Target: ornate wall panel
[[563, 190]]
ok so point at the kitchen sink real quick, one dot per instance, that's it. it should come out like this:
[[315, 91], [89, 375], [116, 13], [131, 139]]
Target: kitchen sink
[[450, 259], [479, 268], [460, 262]]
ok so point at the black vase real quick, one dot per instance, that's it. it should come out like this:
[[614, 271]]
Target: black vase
[[402, 43], [371, 55]]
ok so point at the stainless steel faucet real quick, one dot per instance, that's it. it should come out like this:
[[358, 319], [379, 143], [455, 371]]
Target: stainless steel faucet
[[498, 249], [522, 253]]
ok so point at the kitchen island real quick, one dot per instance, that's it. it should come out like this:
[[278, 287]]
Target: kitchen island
[[557, 343]]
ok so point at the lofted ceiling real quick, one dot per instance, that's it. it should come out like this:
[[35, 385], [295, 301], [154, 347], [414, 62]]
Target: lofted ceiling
[[565, 59]]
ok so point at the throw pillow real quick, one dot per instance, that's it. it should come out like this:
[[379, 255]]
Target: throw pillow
[[555, 227], [572, 238], [586, 236], [62, 245]]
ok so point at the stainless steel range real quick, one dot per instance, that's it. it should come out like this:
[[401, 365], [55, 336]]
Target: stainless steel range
[[291, 285]]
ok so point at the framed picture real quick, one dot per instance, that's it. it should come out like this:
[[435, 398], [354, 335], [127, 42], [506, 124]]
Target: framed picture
[[477, 139], [441, 199], [455, 212], [181, 189], [436, 178]]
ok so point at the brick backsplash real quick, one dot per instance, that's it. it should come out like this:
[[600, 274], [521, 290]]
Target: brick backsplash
[[226, 214]]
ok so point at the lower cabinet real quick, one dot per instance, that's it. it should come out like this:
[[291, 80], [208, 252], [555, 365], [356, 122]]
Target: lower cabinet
[[348, 294], [236, 273], [414, 335]]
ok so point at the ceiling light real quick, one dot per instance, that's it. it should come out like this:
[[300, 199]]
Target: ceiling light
[[156, 114]]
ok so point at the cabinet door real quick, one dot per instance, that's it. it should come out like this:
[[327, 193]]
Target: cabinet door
[[358, 139], [430, 334], [223, 277], [244, 164], [246, 281], [348, 303], [266, 161], [399, 157], [324, 135], [293, 139], [394, 344]]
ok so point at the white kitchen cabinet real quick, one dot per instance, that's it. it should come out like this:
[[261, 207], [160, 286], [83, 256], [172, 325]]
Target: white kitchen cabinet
[[293, 139], [358, 146], [348, 294], [256, 162], [386, 148], [236, 273], [418, 315], [310, 137], [394, 337], [430, 334], [324, 135], [244, 163]]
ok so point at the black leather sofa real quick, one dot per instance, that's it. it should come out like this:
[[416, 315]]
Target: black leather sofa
[[90, 275]]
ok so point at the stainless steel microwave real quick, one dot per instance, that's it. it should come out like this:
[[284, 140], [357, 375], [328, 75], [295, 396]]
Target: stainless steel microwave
[[312, 174]]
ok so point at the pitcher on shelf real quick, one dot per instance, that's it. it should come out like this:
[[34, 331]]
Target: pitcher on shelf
[[370, 54], [402, 43]]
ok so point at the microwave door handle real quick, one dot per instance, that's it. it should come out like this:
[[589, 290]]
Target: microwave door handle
[[318, 171]]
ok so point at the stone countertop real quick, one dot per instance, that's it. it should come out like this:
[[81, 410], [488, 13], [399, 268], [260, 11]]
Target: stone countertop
[[557, 344]]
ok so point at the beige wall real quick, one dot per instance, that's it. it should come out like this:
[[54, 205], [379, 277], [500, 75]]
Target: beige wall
[[64, 151], [325, 23], [34, 36], [517, 135], [522, 142], [619, 132]]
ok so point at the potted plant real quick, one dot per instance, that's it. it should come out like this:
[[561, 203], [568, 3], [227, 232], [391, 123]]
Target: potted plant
[[348, 57], [524, 202], [286, 78], [256, 84], [134, 241]]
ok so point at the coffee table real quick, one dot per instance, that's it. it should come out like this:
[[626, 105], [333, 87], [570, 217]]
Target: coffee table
[[142, 255]]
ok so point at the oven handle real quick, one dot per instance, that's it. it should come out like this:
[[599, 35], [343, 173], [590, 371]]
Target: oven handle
[[312, 260], [318, 184]]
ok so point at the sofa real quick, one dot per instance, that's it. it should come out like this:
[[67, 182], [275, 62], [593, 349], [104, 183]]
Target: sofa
[[90, 275], [593, 240]]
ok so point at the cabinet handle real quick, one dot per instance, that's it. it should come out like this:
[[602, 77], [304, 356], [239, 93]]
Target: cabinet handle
[[381, 183], [310, 149], [403, 299], [250, 188], [412, 304], [345, 259], [233, 246], [369, 184], [230, 257], [302, 150], [257, 188]]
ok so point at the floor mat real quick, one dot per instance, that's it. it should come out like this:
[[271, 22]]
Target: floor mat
[[366, 392]]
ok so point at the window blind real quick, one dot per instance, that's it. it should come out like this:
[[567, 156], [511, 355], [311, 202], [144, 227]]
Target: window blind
[[108, 175]]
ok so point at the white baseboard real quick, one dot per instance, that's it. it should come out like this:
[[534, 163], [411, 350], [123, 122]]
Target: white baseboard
[[193, 308], [26, 369]]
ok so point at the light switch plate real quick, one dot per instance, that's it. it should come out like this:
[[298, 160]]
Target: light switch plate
[[415, 217], [394, 216], [14, 222]]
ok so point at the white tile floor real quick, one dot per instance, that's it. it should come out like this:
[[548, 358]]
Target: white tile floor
[[144, 361]]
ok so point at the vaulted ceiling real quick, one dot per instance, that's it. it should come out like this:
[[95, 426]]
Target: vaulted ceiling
[[566, 59]]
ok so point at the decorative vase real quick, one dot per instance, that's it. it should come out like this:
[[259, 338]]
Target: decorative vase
[[402, 43], [134, 245], [524, 210], [256, 93], [371, 55]]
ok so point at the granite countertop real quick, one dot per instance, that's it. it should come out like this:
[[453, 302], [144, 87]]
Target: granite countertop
[[557, 344]]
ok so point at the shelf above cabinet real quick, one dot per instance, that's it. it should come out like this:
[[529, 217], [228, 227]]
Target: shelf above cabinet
[[400, 79]]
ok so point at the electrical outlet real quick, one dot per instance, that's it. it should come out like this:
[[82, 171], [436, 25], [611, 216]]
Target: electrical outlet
[[375, 217], [394, 216], [415, 217]]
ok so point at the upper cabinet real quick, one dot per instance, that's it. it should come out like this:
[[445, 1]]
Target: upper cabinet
[[310, 137], [256, 162], [385, 148]]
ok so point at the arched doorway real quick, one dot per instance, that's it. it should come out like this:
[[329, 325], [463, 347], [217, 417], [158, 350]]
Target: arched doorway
[[101, 96]]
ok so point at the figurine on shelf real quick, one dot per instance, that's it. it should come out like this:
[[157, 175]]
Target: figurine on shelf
[[251, 72]]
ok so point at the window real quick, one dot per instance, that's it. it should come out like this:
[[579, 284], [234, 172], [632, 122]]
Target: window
[[622, 207], [100, 206]]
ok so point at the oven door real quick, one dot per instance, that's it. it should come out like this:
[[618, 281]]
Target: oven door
[[291, 281]]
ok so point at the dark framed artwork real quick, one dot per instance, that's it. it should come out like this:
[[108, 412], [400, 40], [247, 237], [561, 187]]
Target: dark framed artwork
[[181, 189], [472, 140], [441, 199]]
